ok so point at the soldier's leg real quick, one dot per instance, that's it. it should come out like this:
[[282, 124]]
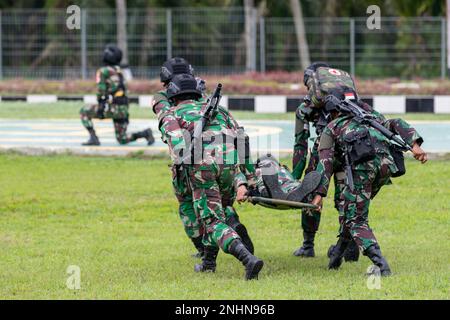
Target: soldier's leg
[[228, 193], [208, 206], [355, 225], [352, 251], [310, 221], [191, 224], [87, 113], [121, 121]]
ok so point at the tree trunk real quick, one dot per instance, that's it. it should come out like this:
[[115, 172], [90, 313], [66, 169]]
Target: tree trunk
[[330, 13], [302, 42], [448, 37], [250, 35], [121, 20], [148, 36]]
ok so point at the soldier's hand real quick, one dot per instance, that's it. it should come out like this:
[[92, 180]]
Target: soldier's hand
[[241, 195], [318, 202], [419, 153]]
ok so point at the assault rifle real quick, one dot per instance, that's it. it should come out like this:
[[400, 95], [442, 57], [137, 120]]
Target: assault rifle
[[363, 117], [209, 113]]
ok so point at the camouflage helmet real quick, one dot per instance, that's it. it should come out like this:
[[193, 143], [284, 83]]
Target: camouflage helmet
[[173, 67], [183, 84], [112, 55], [323, 80]]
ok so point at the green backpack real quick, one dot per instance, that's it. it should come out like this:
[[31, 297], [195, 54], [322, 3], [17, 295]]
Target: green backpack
[[324, 80]]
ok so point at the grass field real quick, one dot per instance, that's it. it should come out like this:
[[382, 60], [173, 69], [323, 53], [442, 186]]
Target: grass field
[[116, 218], [70, 110]]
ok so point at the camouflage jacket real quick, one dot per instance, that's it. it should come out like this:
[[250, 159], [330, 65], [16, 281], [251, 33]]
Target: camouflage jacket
[[332, 144], [176, 124], [110, 82]]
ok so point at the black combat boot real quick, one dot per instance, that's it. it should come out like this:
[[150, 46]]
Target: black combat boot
[[241, 230], [352, 252], [199, 246], [336, 253], [309, 184], [147, 134], [208, 260], [307, 250], [374, 254], [252, 264], [93, 139]]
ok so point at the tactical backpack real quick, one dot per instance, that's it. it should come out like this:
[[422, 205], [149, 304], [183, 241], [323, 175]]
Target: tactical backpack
[[322, 81]]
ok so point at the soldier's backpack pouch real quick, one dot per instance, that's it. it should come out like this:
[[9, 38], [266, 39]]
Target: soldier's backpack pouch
[[399, 159], [359, 145]]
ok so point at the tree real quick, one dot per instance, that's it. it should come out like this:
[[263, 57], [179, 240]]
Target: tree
[[302, 42], [448, 36], [121, 18], [250, 34]]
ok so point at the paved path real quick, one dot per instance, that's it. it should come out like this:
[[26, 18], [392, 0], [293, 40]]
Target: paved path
[[47, 136]]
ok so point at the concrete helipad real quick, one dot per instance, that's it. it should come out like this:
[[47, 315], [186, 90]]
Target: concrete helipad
[[49, 136]]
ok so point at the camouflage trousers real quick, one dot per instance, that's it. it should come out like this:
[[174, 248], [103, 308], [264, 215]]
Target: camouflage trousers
[[354, 221], [311, 219], [212, 199], [119, 114], [192, 222]]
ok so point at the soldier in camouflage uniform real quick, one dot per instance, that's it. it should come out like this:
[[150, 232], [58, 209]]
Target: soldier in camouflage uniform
[[112, 102], [306, 114], [211, 177], [369, 174], [192, 226]]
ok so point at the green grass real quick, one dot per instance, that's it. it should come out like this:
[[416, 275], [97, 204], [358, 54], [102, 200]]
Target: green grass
[[70, 110], [117, 219]]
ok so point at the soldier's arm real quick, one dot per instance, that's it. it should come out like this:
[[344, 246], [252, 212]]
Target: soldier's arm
[[326, 158], [244, 178], [400, 127], [173, 135], [404, 130], [101, 77], [160, 102], [302, 135]]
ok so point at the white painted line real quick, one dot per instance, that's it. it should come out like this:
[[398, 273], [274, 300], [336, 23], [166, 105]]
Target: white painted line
[[146, 101], [41, 98], [270, 104], [442, 104], [224, 102], [90, 99], [389, 104]]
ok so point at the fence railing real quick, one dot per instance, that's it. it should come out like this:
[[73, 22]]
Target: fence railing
[[37, 43]]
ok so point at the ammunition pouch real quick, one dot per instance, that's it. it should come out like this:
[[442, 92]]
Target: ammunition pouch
[[399, 160], [360, 147]]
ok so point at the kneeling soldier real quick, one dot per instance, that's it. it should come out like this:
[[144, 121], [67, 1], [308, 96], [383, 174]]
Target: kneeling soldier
[[112, 102]]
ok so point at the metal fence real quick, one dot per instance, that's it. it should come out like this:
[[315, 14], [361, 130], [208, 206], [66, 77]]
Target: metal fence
[[37, 43]]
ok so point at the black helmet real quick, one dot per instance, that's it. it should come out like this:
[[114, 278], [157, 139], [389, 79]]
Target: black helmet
[[183, 84], [112, 55], [312, 68], [175, 66]]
